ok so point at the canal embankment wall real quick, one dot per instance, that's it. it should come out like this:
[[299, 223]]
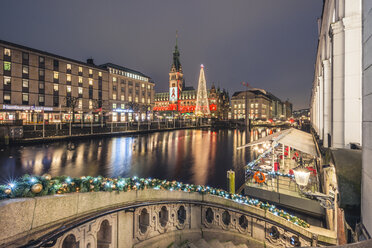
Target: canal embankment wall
[[37, 140]]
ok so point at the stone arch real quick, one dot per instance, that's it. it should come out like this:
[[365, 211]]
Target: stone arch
[[181, 214], [243, 222], [226, 218], [209, 215], [104, 235], [91, 240], [70, 242], [163, 216], [144, 220]]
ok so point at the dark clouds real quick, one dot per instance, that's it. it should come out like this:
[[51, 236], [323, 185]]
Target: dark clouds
[[269, 43]]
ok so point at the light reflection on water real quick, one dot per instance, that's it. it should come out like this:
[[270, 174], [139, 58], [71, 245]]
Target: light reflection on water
[[190, 156]]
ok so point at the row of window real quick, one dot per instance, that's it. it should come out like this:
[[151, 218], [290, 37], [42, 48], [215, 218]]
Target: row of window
[[25, 73], [41, 99], [128, 74], [253, 105], [25, 59]]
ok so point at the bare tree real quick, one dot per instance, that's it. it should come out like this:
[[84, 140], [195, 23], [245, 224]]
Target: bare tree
[[72, 103]]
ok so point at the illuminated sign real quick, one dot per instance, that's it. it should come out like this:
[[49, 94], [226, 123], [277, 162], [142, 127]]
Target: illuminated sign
[[123, 110], [36, 108], [173, 94]]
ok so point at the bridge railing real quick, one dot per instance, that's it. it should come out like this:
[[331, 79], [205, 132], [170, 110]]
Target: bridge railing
[[140, 218]]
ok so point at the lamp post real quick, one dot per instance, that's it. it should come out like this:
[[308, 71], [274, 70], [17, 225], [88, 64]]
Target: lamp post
[[302, 176]]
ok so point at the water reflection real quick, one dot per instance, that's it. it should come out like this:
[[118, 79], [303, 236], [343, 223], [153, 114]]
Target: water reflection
[[191, 156]]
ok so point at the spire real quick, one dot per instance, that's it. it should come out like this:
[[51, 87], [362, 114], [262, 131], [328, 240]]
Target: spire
[[176, 37], [176, 56]]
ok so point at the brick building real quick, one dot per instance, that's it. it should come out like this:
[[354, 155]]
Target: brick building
[[33, 82]]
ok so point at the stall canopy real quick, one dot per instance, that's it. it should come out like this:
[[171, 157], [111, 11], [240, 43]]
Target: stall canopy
[[292, 137]]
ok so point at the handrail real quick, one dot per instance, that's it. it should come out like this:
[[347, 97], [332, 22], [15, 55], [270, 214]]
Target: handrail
[[49, 239]]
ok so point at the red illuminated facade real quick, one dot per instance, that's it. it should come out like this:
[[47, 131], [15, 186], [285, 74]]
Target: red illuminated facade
[[181, 100]]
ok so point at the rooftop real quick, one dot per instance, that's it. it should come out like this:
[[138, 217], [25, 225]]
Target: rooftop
[[7, 43]]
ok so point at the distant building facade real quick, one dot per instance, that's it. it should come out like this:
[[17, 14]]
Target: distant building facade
[[181, 100], [301, 113], [336, 105], [131, 94], [261, 105], [37, 86]]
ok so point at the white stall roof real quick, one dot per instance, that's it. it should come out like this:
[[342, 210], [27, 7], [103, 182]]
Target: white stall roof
[[292, 137]]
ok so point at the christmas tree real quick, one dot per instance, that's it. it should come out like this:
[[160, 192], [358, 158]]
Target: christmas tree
[[202, 105]]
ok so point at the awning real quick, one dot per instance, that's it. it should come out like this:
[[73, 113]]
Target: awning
[[292, 137]]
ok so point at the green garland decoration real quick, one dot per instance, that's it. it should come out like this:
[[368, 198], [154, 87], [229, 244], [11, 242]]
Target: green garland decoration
[[64, 184]]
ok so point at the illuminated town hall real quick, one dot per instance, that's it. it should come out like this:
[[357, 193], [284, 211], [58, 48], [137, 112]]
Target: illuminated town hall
[[181, 99]]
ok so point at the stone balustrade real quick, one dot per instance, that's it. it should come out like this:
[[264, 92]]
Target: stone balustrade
[[144, 217]]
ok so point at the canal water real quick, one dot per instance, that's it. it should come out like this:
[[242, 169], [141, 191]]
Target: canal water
[[189, 156]]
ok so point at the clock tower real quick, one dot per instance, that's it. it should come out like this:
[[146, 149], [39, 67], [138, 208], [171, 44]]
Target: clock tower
[[175, 77]]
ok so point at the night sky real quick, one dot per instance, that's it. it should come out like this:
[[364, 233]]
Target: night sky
[[269, 43]]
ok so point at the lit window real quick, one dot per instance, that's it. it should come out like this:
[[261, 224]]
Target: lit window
[[68, 88], [90, 104], [68, 76], [122, 106], [256, 105], [55, 75], [90, 71], [25, 83], [100, 74], [25, 69], [143, 85], [41, 98], [90, 81], [7, 96], [114, 79], [7, 66], [114, 96], [148, 101], [252, 105], [122, 97], [41, 85], [80, 69], [80, 80], [143, 100], [243, 105], [80, 103], [148, 86], [25, 97], [7, 80], [7, 52], [136, 99], [114, 105], [68, 66], [55, 87], [80, 90], [130, 98]]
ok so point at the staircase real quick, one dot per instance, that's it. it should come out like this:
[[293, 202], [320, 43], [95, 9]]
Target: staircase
[[202, 243]]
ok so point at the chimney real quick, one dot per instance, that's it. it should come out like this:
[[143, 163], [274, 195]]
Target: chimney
[[90, 61]]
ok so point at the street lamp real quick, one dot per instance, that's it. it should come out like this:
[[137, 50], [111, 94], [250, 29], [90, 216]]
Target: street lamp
[[302, 179], [302, 176]]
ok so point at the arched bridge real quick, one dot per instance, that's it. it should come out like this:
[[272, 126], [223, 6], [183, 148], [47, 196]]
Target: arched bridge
[[146, 218]]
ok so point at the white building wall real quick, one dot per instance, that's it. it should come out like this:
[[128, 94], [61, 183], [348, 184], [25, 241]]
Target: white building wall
[[367, 117], [336, 99]]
